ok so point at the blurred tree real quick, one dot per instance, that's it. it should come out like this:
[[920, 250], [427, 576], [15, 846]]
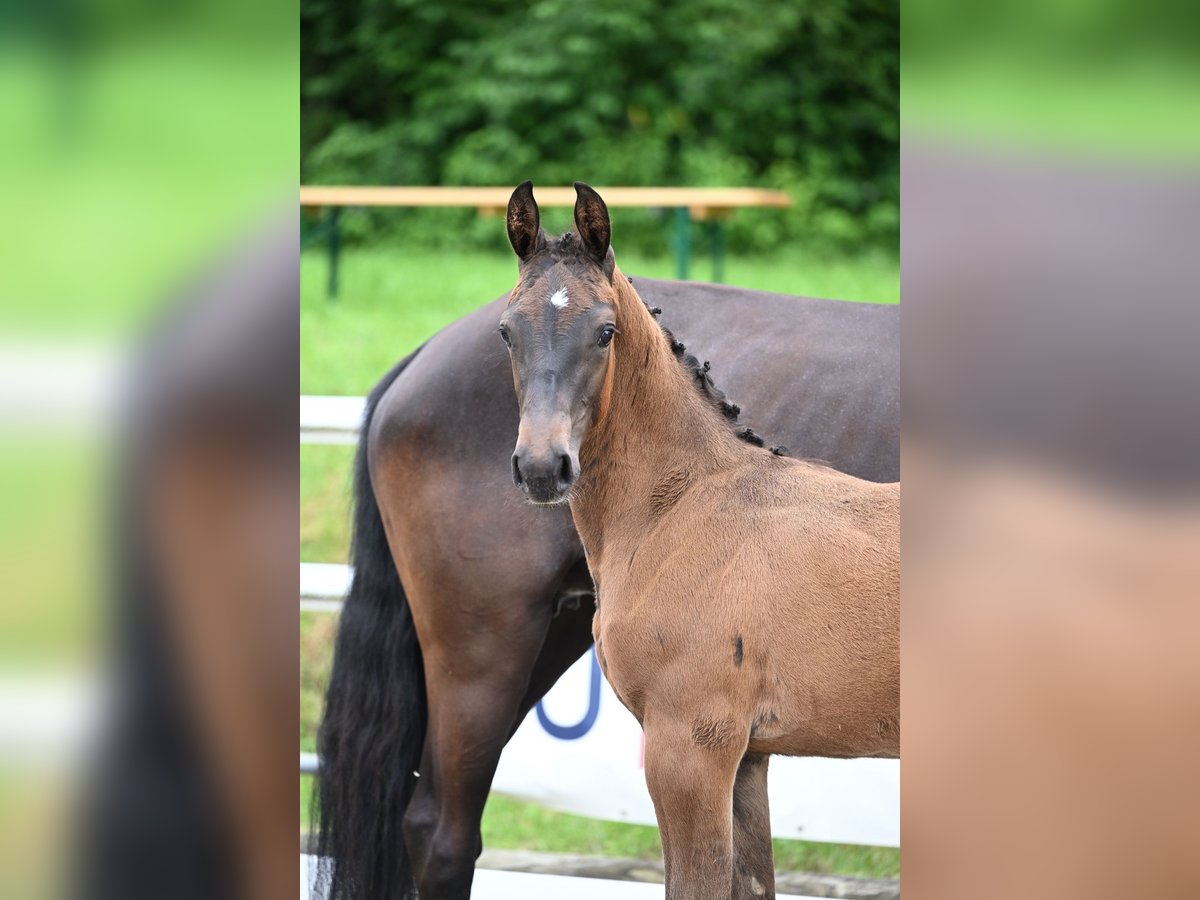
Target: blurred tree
[[792, 94]]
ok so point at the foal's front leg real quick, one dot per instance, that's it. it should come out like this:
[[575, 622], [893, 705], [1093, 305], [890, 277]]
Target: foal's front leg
[[691, 783]]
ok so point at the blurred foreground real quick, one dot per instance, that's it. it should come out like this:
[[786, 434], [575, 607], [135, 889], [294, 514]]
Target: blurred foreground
[[1051, 453], [147, 510]]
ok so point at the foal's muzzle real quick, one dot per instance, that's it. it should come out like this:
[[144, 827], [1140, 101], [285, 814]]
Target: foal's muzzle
[[545, 478]]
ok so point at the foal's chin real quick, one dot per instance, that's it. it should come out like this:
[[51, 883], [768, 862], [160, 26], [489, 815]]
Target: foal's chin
[[557, 498], [561, 501]]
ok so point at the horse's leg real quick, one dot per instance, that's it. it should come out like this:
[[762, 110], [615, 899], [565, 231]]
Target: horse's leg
[[754, 859], [478, 661], [472, 714], [691, 782]]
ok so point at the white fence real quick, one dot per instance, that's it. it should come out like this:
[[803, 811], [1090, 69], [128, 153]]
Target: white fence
[[330, 420], [580, 750]]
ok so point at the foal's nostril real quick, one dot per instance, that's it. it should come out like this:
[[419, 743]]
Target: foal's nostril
[[565, 474], [516, 469]]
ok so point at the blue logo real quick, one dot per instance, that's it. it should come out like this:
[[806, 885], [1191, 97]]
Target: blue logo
[[584, 725]]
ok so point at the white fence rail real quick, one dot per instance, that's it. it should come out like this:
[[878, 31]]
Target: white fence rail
[[330, 420], [323, 586], [580, 750]]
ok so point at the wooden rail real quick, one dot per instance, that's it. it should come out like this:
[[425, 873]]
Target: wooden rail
[[711, 205], [701, 202]]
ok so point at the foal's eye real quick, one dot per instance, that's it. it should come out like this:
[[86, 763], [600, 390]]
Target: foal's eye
[[606, 335], [504, 336]]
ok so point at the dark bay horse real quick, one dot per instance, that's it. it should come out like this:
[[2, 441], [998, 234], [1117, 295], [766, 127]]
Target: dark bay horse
[[467, 604], [747, 603]]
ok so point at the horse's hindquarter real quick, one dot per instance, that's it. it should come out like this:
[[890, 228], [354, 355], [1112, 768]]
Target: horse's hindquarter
[[782, 616]]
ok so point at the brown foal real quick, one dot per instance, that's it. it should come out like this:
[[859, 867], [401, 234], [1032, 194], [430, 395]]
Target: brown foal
[[747, 603]]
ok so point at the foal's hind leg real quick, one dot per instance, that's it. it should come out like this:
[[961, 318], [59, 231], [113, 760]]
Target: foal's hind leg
[[754, 860], [691, 782]]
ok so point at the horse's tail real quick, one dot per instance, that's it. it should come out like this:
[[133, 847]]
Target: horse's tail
[[373, 727]]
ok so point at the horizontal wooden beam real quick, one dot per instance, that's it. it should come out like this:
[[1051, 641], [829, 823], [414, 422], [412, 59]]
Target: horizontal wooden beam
[[497, 197]]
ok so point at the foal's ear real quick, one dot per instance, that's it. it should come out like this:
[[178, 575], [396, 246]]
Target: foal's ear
[[524, 222], [591, 221]]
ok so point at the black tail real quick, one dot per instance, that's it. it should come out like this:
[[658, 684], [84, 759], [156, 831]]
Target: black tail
[[373, 727]]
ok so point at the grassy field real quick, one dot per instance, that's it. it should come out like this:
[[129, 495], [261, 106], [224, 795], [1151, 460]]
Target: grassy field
[[513, 825], [389, 301], [388, 304]]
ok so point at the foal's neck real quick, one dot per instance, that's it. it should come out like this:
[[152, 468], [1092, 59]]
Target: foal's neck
[[655, 425]]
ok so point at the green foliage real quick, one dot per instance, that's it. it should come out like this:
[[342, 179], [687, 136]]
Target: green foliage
[[800, 96]]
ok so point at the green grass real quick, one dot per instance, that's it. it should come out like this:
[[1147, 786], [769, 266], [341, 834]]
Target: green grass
[[316, 658], [134, 169], [52, 505], [389, 303], [325, 502], [512, 825], [1140, 106]]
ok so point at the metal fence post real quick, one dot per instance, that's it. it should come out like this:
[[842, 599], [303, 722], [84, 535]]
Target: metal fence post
[[717, 235], [683, 239], [334, 242]]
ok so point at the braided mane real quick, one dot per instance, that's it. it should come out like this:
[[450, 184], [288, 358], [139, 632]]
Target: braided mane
[[704, 383]]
